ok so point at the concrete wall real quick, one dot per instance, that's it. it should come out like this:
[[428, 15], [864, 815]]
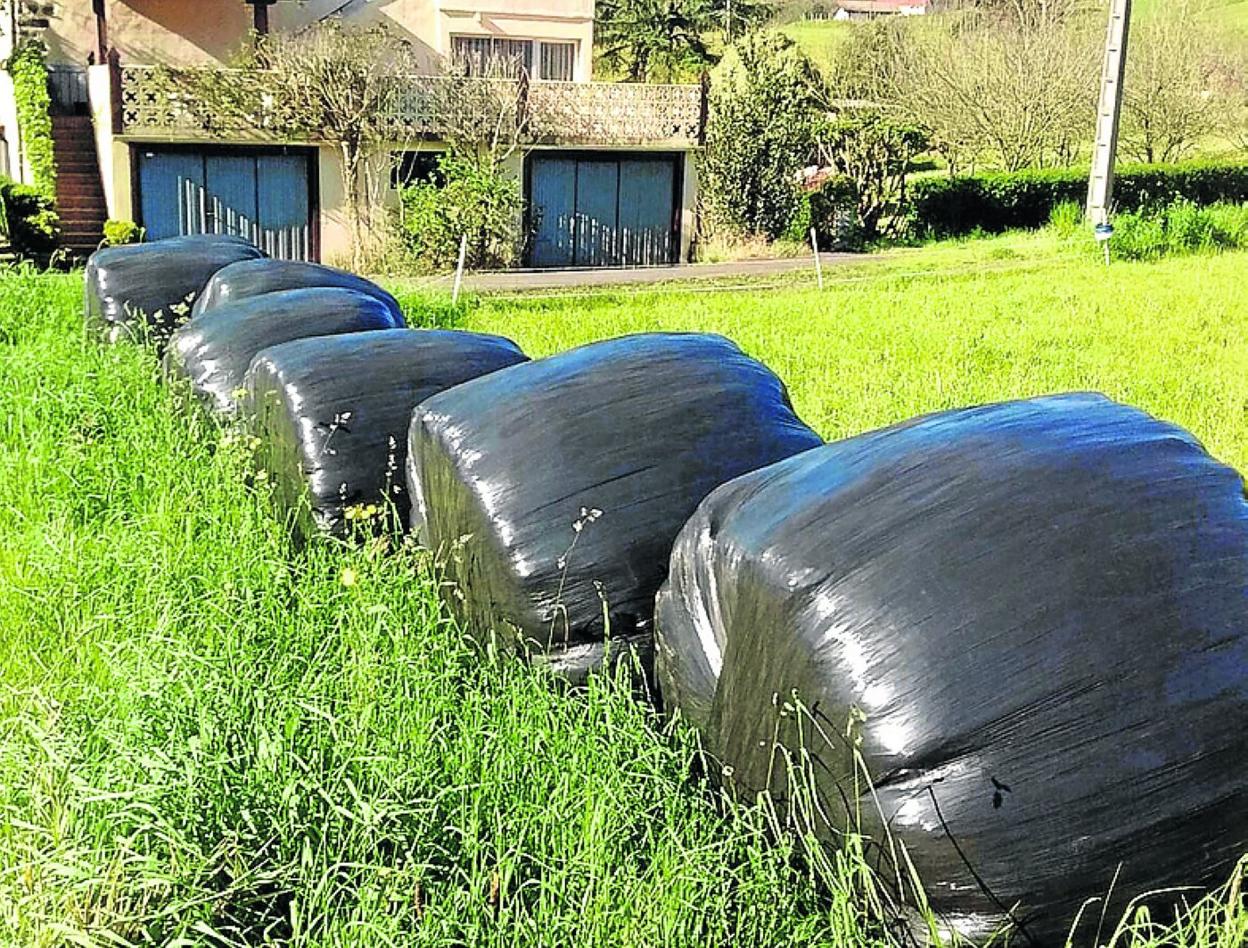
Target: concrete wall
[[13, 164], [113, 156], [430, 24], [187, 32], [184, 32], [71, 36]]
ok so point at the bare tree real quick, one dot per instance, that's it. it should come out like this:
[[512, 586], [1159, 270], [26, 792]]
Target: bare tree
[[1171, 97], [992, 88], [332, 83]]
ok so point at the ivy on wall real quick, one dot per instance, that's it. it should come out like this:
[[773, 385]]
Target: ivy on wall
[[29, 69]]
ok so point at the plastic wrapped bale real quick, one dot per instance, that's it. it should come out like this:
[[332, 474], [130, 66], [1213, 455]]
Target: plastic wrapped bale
[[554, 489], [143, 289], [1027, 618], [214, 350], [331, 414], [249, 278]]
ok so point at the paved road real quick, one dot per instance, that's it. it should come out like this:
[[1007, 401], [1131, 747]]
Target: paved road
[[520, 280]]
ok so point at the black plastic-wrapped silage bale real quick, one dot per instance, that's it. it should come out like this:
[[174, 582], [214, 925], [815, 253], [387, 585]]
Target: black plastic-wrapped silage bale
[[214, 350], [142, 288], [332, 412], [1034, 617], [555, 488], [249, 278]]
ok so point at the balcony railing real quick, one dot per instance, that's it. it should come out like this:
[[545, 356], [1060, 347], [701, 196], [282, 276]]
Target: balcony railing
[[553, 113]]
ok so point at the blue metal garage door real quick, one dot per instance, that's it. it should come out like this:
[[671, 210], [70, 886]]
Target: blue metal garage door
[[264, 196], [603, 210]]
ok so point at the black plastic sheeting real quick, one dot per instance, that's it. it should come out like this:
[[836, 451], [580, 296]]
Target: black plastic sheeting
[[138, 289], [1032, 617], [249, 278], [332, 413], [214, 350], [554, 489]]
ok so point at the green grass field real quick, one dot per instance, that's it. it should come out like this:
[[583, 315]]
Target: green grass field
[[208, 737]]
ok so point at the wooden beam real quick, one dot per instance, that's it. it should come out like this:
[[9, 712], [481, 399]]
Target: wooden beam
[[1108, 113]]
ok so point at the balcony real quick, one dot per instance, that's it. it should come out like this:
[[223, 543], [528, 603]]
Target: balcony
[[595, 114]]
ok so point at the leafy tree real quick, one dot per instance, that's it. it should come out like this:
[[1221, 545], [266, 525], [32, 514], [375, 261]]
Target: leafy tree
[[472, 199], [653, 39], [874, 153], [474, 195], [765, 103], [666, 40]]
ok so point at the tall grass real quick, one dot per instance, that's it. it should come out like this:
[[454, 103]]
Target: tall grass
[[208, 737], [1180, 228]]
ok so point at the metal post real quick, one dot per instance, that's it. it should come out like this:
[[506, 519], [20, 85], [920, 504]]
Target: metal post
[[814, 245], [1101, 182], [459, 269]]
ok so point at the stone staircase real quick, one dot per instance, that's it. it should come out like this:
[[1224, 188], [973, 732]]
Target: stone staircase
[[79, 192]]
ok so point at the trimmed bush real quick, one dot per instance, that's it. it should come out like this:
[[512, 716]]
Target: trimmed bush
[[953, 207], [31, 221], [118, 233], [28, 66]]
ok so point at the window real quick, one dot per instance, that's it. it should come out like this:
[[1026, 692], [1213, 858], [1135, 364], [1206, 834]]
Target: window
[[414, 167], [496, 56], [490, 56], [558, 61]]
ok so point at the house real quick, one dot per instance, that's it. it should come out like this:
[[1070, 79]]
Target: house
[[611, 183], [870, 9]]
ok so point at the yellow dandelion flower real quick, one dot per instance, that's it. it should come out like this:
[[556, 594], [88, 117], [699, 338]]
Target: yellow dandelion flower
[[349, 577]]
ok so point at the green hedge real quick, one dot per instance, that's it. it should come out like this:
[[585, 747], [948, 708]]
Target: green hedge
[[950, 207], [29, 69], [29, 218]]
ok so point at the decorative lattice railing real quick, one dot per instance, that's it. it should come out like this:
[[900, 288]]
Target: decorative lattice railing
[[151, 101]]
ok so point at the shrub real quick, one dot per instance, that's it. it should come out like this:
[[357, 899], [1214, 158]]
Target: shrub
[[764, 103], [29, 70], [1181, 227], [31, 222], [474, 198], [873, 152], [117, 233], [1066, 218], [953, 207], [834, 215]]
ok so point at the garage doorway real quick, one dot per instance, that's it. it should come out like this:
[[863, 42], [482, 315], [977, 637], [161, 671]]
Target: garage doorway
[[265, 195], [603, 210]]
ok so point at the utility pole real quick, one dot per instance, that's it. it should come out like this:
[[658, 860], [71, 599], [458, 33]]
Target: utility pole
[[1101, 182]]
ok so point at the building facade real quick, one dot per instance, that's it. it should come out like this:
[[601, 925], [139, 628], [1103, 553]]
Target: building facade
[[609, 180]]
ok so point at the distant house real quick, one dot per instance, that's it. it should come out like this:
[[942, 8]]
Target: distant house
[[869, 9], [612, 182]]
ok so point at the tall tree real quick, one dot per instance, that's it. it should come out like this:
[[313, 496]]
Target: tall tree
[[1012, 93], [1171, 94], [667, 40], [653, 39], [766, 102]]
